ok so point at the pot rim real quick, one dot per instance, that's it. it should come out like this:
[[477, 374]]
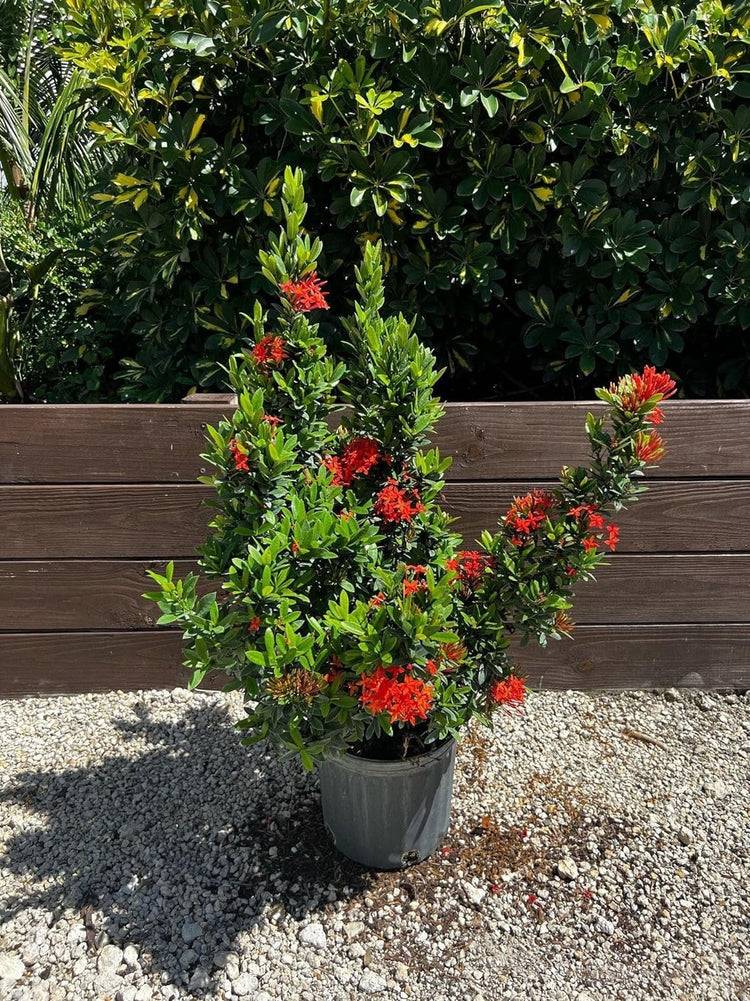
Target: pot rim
[[378, 766]]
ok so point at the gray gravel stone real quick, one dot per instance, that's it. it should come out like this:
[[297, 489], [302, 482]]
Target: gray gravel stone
[[191, 930]]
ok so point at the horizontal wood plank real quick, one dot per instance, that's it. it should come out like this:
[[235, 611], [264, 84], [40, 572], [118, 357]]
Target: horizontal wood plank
[[107, 594], [672, 517], [104, 521], [642, 657], [161, 443], [600, 658], [170, 521], [105, 443]]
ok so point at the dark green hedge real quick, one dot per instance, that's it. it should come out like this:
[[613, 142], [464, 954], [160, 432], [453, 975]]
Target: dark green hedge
[[562, 188]]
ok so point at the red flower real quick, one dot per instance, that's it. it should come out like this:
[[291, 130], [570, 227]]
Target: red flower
[[360, 455], [412, 579], [254, 624], [378, 600], [405, 700], [333, 465], [528, 513], [470, 565], [295, 546], [590, 544], [613, 536], [239, 456], [273, 421], [358, 458], [306, 294], [270, 349], [394, 504], [511, 692], [596, 521], [656, 416], [637, 390], [649, 446]]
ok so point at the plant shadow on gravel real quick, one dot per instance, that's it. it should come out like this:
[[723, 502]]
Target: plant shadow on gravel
[[193, 827], [138, 846]]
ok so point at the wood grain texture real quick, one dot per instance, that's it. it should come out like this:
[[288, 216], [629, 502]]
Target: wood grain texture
[[107, 594], [600, 658], [652, 656], [672, 517], [161, 443], [107, 443], [71, 663], [148, 521], [108, 521]]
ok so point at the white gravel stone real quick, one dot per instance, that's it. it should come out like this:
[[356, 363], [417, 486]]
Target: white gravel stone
[[11, 967], [685, 836], [567, 869], [244, 985], [474, 894], [372, 983], [109, 959], [605, 926], [313, 935]]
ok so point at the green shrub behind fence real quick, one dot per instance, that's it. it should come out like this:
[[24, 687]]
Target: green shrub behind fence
[[563, 179]]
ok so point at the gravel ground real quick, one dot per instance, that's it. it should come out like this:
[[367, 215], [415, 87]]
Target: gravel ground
[[599, 849]]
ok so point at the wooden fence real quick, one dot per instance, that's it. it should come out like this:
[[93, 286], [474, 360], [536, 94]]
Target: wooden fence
[[92, 496]]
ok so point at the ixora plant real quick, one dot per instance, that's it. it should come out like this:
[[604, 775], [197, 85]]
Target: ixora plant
[[349, 614]]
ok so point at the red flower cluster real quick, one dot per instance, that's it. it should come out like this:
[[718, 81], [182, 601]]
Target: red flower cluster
[[254, 624], [528, 513], [649, 447], [470, 566], [395, 504], [358, 458], [588, 514], [613, 536], [239, 456], [306, 294], [591, 543], [414, 581], [270, 349], [273, 421], [393, 690], [635, 390], [510, 693]]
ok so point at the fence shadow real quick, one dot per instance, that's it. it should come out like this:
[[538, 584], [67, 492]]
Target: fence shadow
[[147, 843]]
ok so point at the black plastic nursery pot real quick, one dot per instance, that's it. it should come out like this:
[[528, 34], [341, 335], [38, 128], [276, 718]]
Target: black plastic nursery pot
[[388, 814]]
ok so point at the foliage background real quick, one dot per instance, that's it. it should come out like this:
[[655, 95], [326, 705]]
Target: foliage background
[[561, 188]]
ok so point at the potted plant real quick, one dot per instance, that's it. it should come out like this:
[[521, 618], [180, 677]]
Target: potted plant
[[362, 633]]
